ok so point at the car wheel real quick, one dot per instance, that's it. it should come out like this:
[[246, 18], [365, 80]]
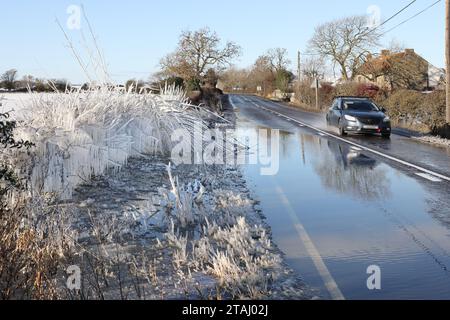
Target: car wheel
[[386, 135], [341, 129]]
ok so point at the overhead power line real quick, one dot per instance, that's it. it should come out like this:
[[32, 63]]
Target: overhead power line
[[377, 27], [395, 15], [391, 18], [413, 17]]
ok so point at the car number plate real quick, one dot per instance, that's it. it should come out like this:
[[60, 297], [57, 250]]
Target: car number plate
[[371, 127]]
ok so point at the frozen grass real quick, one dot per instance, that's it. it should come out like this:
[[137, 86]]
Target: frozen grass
[[81, 134], [238, 255], [35, 242]]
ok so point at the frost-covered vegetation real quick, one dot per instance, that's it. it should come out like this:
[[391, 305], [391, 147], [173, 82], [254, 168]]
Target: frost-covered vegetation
[[197, 237], [76, 136], [227, 245], [32, 241], [81, 134], [137, 232]]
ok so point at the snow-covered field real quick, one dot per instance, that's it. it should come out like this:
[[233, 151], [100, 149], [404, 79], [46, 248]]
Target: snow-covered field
[[13, 101]]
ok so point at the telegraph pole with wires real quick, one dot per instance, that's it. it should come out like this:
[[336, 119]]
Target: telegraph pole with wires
[[299, 70], [447, 55]]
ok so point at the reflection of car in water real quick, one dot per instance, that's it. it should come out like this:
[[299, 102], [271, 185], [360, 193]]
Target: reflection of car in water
[[349, 155], [347, 170], [358, 115]]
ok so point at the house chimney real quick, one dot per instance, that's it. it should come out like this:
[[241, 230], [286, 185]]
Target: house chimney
[[409, 51], [385, 52]]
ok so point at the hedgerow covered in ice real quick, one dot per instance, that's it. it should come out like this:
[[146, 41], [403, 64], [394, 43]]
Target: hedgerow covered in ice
[[75, 136], [81, 134]]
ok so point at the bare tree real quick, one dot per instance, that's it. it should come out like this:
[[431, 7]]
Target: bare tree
[[9, 79], [235, 79], [314, 68], [278, 59], [263, 75], [263, 63], [198, 52], [270, 70], [28, 81], [346, 42], [396, 46]]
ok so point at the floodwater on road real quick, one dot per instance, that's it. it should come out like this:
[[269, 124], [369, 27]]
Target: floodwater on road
[[335, 211]]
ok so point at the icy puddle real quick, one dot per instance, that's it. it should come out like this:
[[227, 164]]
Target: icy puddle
[[333, 204]]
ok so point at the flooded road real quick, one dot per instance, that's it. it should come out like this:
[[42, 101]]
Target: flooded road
[[336, 210]]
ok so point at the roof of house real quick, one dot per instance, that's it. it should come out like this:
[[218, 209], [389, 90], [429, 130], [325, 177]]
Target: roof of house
[[383, 62]]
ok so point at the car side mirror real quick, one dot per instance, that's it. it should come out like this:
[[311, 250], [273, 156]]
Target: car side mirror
[[383, 110]]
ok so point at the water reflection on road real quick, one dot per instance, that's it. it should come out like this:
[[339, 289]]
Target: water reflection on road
[[359, 212], [348, 171]]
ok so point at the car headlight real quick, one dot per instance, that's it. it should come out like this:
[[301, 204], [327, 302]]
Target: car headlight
[[350, 118], [387, 119]]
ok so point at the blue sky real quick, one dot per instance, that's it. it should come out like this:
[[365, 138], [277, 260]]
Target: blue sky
[[135, 34]]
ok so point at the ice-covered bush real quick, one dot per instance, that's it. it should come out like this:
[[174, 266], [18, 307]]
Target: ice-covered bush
[[33, 237], [83, 133]]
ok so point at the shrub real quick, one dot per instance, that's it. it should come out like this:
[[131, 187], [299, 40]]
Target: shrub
[[84, 133], [193, 85], [307, 96], [212, 98], [327, 94], [134, 85], [41, 86], [402, 105], [210, 79], [282, 80], [416, 109], [347, 89], [28, 254], [367, 90], [433, 111], [60, 85]]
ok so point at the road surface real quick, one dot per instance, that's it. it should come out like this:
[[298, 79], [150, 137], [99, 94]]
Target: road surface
[[340, 207]]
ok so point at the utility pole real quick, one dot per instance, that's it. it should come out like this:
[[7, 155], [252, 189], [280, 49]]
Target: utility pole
[[317, 93], [447, 55], [299, 75]]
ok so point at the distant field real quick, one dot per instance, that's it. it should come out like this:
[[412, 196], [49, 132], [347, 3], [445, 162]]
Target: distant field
[[13, 101]]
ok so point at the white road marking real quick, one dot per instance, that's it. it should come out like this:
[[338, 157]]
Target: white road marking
[[428, 177], [406, 163], [321, 267]]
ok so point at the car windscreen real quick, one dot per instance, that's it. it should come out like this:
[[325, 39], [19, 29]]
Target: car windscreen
[[365, 106]]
